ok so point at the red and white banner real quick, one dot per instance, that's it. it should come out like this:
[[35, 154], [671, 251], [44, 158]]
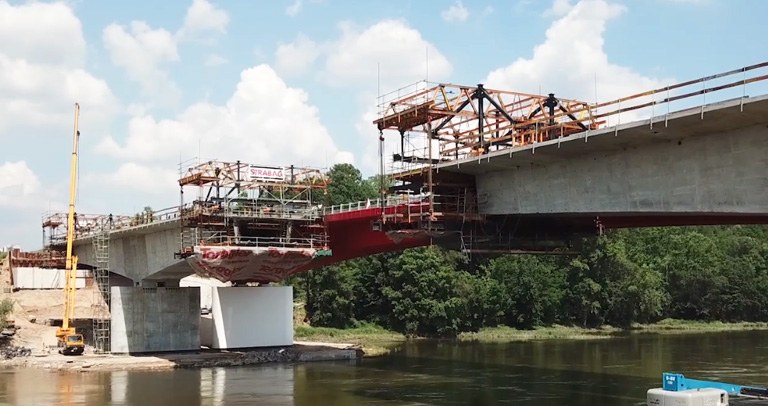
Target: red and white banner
[[249, 264], [264, 173]]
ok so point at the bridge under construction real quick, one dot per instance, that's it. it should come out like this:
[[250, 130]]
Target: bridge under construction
[[476, 169]]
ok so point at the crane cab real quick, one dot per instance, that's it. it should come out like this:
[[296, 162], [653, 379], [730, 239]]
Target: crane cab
[[70, 342]]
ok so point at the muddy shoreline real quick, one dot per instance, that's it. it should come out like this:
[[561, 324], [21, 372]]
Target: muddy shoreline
[[299, 352]]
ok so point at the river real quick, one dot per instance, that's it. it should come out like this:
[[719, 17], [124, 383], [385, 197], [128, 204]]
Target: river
[[615, 371]]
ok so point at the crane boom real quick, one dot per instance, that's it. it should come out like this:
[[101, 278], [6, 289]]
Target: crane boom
[[71, 264], [69, 341]]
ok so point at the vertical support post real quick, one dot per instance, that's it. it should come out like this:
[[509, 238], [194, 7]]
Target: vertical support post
[[703, 97], [237, 184], [743, 88], [429, 174], [480, 95], [382, 196]]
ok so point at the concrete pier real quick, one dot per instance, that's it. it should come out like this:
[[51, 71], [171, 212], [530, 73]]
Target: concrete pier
[[155, 319], [246, 317]]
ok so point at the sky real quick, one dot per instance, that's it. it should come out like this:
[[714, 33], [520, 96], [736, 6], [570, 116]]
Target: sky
[[296, 81]]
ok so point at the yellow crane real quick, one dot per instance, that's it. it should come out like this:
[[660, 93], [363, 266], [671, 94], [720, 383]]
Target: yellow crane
[[70, 342]]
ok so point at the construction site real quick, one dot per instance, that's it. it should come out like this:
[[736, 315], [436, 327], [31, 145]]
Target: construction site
[[244, 228]]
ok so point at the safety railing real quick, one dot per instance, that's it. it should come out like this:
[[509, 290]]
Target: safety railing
[[389, 201], [405, 97], [256, 210], [266, 242], [88, 225]]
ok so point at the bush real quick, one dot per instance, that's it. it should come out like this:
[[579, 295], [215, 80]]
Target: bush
[[6, 308]]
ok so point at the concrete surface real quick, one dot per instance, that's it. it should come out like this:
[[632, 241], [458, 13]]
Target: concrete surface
[[141, 252], [246, 317], [684, 163], [41, 278], [155, 319]]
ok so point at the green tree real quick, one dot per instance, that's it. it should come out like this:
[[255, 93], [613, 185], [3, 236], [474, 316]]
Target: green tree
[[691, 267], [744, 296], [605, 286], [346, 185], [422, 289], [533, 289], [331, 295]]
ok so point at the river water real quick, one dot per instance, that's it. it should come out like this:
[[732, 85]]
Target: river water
[[615, 371]]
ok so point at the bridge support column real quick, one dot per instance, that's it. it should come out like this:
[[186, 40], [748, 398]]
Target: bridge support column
[[243, 317], [155, 319]]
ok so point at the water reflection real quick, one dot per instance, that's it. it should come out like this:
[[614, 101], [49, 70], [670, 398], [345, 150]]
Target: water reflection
[[604, 372]]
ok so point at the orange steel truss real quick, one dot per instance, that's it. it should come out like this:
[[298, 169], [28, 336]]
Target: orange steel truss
[[469, 121]]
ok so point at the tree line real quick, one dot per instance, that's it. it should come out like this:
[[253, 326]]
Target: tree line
[[623, 277]]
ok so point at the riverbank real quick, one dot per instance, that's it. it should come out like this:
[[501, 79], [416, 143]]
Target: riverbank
[[299, 352], [667, 326], [377, 341], [373, 340]]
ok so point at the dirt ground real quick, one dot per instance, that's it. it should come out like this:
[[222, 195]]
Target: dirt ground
[[34, 309]]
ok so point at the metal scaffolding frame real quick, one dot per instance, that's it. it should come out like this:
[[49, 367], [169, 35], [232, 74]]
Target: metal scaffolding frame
[[251, 205], [441, 122], [102, 317]]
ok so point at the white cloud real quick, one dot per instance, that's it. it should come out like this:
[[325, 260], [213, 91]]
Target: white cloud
[[41, 96], [143, 51], [264, 122], [18, 185], [399, 50], [203, 16], [134, 177], [456, 12], [215, 60], [41, 33], [42, 76], [559, 8], [295, 8], [296, 57], [571, 61]]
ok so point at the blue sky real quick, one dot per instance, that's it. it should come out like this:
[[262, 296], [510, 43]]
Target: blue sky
[[295, 82]]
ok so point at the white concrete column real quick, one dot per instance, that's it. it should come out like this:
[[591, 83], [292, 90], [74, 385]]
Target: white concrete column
[[252, 316]]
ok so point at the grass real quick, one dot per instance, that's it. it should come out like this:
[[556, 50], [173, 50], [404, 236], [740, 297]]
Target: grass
[[504, 334], [374, 340], [666, 326], [691, 326]]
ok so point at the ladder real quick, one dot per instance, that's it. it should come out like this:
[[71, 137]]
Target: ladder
[[188, 238], [101, 318]]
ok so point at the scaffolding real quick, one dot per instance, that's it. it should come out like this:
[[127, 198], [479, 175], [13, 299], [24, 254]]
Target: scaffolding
[[251, 205], [439, 123], [101, 317]]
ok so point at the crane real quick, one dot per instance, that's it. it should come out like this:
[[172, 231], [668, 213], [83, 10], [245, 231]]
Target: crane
[[70, 342]]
